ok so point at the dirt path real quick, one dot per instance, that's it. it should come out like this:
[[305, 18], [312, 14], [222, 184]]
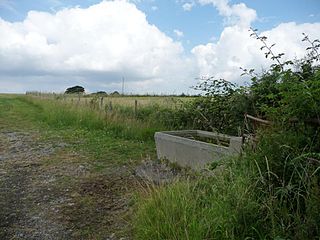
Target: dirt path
[[49, 192], [39, 201], [27, 200]]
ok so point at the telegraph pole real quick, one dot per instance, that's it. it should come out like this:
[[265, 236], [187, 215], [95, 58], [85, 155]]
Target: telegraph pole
[[122, 85]]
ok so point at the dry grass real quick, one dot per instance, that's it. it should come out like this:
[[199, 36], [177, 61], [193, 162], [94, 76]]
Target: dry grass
[[125, 101]]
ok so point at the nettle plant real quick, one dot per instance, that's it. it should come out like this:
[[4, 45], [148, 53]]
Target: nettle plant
[[289, 90], [222, 106]]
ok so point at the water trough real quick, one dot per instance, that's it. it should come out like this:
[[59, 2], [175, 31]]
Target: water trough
[[195, 148]]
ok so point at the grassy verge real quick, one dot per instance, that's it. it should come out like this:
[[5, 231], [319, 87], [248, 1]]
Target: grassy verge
[[110, 138], [60, 114], [16, 114], [217, 207]]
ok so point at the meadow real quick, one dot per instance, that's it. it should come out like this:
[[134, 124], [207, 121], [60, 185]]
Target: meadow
[[117, 100]]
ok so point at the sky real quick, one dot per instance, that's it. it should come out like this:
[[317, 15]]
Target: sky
[[156, 46]]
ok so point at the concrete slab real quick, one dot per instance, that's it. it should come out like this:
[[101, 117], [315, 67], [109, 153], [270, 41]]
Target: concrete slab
[[195, 148]]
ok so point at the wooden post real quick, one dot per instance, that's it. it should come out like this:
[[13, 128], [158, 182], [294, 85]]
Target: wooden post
[[110, 106], [135, 107], [101, 103]]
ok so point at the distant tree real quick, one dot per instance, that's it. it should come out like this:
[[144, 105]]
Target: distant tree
[[115, 93], [75, 89], [101, 93]]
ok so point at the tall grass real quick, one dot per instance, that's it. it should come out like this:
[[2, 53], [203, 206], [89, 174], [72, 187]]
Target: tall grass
[[218, 207], [107, 139], [60, 114], [270, 193]]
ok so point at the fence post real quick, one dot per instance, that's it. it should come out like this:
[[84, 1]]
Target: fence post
[[135, 107], [101, 103], [110, 106]]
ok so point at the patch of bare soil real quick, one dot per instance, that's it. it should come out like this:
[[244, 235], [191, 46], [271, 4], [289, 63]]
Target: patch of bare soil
[[49, 192], [26, 199], [105, 206]]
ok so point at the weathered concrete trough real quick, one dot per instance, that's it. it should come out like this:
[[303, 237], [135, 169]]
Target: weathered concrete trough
[[195, 148]]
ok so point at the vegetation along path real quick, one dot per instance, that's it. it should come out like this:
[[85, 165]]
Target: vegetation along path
[[62, 181]]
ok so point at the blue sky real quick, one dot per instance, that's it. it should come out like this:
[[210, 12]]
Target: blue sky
[[197, 30]]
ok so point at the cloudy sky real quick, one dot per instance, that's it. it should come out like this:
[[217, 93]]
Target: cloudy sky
[[157, 46]]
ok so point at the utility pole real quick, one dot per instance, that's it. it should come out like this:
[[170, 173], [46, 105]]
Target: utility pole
[[122, 85]]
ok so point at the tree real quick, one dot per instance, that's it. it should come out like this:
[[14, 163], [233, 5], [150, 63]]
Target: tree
[[115, 93], [101, 93], [75, 89]]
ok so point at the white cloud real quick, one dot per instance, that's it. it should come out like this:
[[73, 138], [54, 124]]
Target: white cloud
[[96, 45], [154, 8], [188, 6], [236, 14], [178, 33], [235, 48]]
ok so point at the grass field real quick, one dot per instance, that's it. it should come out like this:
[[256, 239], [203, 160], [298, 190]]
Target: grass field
[[141, 116], [124, 101]]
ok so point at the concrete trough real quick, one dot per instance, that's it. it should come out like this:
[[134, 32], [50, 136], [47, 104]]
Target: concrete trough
[[195, 148]]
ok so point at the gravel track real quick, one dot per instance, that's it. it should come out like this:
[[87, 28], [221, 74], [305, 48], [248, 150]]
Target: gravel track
[[27, 201]]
